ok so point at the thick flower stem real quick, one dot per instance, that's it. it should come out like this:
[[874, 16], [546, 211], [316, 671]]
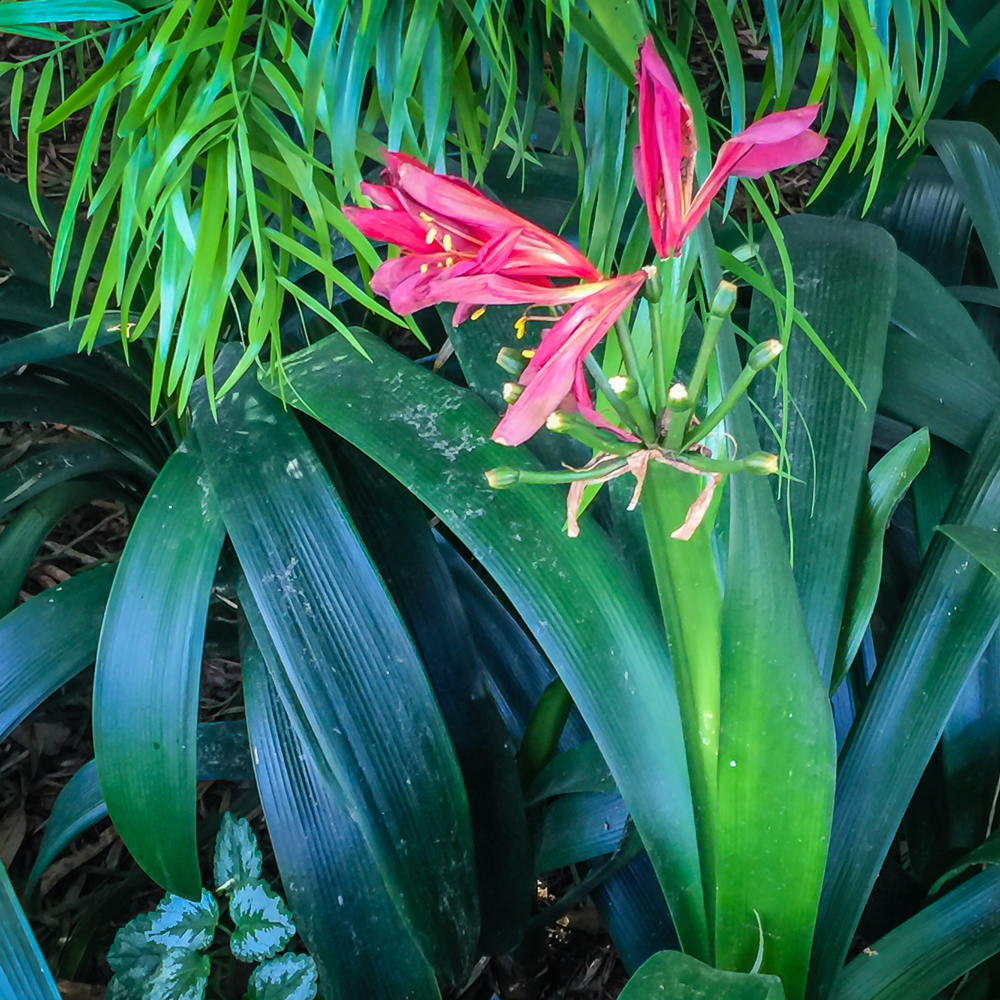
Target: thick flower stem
[[763, 355], [631, 361], [666, 324], [601, 380], [691, 602]]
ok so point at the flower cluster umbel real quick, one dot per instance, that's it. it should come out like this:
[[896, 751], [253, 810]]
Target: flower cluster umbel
[[458, 246]]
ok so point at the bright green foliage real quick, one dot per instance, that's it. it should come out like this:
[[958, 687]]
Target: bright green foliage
[[681, 977]]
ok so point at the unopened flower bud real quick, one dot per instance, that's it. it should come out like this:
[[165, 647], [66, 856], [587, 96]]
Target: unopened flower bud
[[677, 397], [764, 354], [511, 361], [761, 463], [556, 421], [653, 288], [510, 392], [724, 301], [624, 387], [502, 478]]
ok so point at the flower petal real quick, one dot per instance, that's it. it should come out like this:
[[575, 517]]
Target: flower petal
[[551, 373], [666, 148]]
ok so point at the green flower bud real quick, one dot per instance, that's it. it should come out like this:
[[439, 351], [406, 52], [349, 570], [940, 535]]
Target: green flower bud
[[502, 477], [677, 397], [653, 289], [764, 354], [724, 301], [511, 361], [624, 387], [760, 463], [510, 392]]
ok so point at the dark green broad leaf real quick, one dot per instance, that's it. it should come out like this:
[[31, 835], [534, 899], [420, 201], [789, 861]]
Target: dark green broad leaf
[[633, 909], [949, 618], [23, 972], [287, 977], [582, 769], [184, 923], [577, 827], [987, 853], [47, 640], [237, 854], [31, 525], [263, 925], [681, 977], [775, 793], [587, 613], [930, 951], [927, 386], [983, 544], [931, 313], [394, 528], [971, 156], [518, 671], [23, 301], [45, 467], [223, 753], [335, 630], [881, 492], [48, 395], [59, 340], [148, 673], [341, 905], [845, 283], [929, 221]]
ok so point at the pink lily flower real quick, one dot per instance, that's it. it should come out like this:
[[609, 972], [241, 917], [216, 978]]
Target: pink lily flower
[[554, 377], [663, 161], [459, 246]]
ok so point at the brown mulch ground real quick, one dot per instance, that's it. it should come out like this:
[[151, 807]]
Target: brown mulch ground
[[94, 885]]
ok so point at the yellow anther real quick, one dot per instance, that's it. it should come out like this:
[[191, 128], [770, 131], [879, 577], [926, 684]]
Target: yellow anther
[[431, 235], [527, 353], [424, 268], [448, 261], [448, 243], [478, 314], [426, 217], [519, 326]]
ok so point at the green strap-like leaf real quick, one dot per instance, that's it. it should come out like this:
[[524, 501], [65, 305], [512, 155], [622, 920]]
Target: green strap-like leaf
[[23, 972], [578, 827], [341, 905], [588, 615], [972, 157], [582, 769], [928, 952], [335, 630], [223, 753], [777, 755], [680, 977], [149, 670], [48, 640], [927, 386], [30, 526], [949, 618], [845, 282], [884, 488]]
